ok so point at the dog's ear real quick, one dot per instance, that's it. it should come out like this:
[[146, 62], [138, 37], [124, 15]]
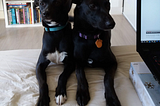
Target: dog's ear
[[36, 3], [77, 1], [67, 5]]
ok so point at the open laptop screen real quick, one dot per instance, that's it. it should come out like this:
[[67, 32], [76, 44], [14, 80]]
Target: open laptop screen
[[150, 21], [148, 34]]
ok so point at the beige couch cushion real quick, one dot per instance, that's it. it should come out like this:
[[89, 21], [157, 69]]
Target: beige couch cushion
[[19, 87]]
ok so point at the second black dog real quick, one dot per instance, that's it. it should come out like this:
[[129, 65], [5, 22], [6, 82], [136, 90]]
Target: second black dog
[[91, 36]]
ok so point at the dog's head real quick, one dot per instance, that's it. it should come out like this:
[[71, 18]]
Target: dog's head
[[55, 11], [95, 13]]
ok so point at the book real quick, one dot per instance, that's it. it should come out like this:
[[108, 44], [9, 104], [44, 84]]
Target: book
[[17, 15], [27, 15], [24, 19], [9, 16], [21, 15], [35, 15], [39, 16], [13, 16], [30, 15]]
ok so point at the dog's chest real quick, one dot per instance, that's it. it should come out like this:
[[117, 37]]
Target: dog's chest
[[98, 56], [56, 57]]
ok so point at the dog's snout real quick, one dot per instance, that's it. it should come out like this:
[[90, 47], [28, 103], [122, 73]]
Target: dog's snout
[[45, 13], [110, 23]]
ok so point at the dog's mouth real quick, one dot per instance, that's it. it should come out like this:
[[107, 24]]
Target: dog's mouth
[[47, 20], [102, 28], [106, 27], [50, 22]]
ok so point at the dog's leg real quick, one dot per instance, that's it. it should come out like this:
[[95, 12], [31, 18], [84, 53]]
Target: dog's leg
[[110, 94], [61, 95], [42, 80], [82, 95]]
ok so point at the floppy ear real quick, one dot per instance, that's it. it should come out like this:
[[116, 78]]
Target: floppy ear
[[77, 1], [67, 5], [36, 3]]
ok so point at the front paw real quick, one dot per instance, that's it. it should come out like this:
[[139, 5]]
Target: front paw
[[60, 96], [82, 97], [43, 101], [112, 101], [60, 99]]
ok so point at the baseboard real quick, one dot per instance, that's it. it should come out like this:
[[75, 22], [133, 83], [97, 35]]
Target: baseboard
[[1, 14]]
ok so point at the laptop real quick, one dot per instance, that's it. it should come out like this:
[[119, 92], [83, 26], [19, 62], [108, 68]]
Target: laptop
[[148, 34]]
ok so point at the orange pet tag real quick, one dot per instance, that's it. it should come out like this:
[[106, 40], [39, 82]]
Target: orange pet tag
[[98, 43]]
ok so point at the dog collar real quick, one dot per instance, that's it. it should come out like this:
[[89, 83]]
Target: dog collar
[[55, 28], [87, 37], [98, 42]]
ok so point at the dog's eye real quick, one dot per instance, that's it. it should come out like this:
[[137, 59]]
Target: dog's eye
[[92, 6], [57, 2], [42, 3]]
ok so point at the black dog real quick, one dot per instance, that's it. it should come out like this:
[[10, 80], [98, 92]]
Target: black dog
[[57, 47], [91, 36]]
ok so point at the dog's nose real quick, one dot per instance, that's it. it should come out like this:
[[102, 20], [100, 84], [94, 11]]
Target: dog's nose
[[110, 24], [45, 13]]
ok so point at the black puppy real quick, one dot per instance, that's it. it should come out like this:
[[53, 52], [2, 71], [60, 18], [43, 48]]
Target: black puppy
[[91, 36], [57, 47]]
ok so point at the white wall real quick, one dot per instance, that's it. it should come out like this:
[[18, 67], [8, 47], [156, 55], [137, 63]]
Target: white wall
[[116, 7], [1, 10], [130, 11]]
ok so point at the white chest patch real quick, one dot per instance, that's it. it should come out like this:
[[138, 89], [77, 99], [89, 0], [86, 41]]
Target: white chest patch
[[56, 57]]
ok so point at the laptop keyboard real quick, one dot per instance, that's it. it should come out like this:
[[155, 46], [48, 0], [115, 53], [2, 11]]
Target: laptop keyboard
[[157, 59]]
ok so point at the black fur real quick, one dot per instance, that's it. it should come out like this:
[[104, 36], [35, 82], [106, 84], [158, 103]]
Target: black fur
[[57, 11], [91, 17]]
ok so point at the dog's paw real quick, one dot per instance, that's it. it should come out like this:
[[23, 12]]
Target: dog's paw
[[82, 97], [60, 99], [43, 101], [60, 96], [113, 102]]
